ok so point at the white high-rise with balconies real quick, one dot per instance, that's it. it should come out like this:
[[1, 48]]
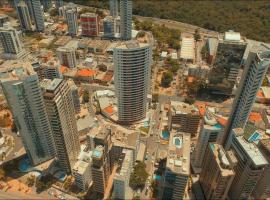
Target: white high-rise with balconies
[[21, 87], [256, 67], [126, 19], [132, 61]]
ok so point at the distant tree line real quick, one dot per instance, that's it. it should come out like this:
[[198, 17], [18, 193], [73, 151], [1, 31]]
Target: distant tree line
[[251, 18]]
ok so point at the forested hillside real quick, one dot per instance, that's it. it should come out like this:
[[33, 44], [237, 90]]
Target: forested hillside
[[251, 18]]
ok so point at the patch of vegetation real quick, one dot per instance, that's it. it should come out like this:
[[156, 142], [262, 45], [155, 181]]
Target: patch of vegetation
[[251, 18], [144, 129], [173, 65], [85, 96], [44, 182], [166, 79], [163, 35], [138, 176], [53, 12]]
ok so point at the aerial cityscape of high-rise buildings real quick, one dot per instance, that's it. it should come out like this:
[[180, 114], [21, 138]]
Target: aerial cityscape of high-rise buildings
[[98, 104]]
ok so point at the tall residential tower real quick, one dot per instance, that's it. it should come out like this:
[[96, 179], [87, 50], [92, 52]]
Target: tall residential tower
[[126, 19], [257, 64], [114, 8], [10, 42], [132, 61], [21, 87], [58, 100]]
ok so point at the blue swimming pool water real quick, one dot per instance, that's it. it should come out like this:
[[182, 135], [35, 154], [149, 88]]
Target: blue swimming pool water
[[165, 135], [157, 177], [145, 124], [24, 165], [177, 141], [96, 153], [255, 136], [218, 126]]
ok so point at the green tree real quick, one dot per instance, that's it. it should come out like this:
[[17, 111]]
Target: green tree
[[30, 181], [155, 98], [136, 198], [85, 96], [2, 174], [68, 183], [166, 79], [53, 12], [197, 35], [138, 177]]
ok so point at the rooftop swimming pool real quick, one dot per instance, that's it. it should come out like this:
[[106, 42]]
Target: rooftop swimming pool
[[177, 141], [24, 165], [157, 177], [218, 126], [255, 136], [165, 135], [97, 153]]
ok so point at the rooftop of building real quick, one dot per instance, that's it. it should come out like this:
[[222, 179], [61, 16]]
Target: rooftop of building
[[97, 153], [62, 41], [14, 70], [93, 43], [263, 52], [222, 160], [266, 144], [86, 72], [81, 166], [232, 37], [50, 85], [187, 48], [250, 148], [178, 160], [132, 44], [178, 107], [88, 14], [3, 16], [124, 168]]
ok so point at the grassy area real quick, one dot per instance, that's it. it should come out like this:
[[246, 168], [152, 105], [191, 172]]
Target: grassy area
[[144, 129]]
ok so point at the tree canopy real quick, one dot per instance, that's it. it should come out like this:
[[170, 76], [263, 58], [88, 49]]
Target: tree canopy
[[166, 79], [251, 18], [138, 176]]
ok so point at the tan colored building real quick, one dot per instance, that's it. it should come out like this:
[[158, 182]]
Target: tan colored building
[[184, 117], [60, 109], [262, 189], [217, 174]]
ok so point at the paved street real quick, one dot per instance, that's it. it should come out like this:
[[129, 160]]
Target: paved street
[[19, 195]]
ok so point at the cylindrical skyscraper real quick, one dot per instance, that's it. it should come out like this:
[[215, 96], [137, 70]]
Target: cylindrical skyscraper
[[132, 62]]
